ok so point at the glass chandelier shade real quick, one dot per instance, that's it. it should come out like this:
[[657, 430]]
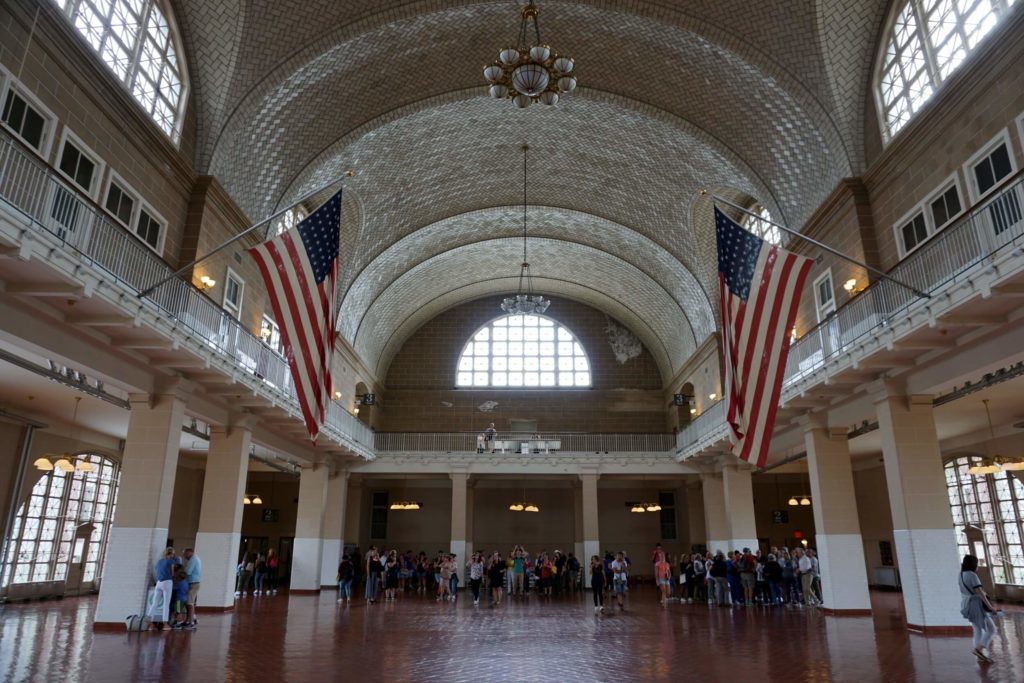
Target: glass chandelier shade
[[530, 73], [996, 463], [524, 301]]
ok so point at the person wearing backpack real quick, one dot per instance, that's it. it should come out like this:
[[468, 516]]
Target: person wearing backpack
[[574, 572], [346, 573]]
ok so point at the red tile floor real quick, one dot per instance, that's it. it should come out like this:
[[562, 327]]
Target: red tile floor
[[312, 638]]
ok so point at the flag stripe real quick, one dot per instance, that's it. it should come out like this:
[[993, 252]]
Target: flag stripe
[[300, 270], [759, 286]]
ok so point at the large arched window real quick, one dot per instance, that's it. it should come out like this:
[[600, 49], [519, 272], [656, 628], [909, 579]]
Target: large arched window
[[60, 530], [761, 225], [517, 351], [988, 515], [136, 40], [927, 41]]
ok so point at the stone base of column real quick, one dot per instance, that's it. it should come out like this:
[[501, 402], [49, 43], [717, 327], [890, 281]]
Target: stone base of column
[[214, 610], [304, 591], [741, 543], [305, 566], [725, 545], [458, 549], [590, 548], [847, 612], [127, 574], [329, 562], [929, 570], [218, 551], [844, 580]]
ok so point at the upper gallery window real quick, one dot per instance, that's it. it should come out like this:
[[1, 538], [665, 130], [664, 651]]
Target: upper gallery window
[[523, 351], [137, 40], [926, 43], [761, 225]]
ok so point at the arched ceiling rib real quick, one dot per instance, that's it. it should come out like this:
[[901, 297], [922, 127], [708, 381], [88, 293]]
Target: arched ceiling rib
[[566, 267], [545, 222]]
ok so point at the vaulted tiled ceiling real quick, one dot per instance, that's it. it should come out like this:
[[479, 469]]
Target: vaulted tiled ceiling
[[762, 100]]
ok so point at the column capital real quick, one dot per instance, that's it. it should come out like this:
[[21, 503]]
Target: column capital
[[236, 420], [809, 421], [587, 472], [459, 473], [883, 389], [173, 387]]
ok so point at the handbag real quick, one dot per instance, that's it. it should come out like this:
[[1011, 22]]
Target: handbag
[[974, 596]]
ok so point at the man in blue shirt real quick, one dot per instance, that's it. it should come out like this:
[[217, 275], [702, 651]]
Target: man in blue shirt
[[194, 570]]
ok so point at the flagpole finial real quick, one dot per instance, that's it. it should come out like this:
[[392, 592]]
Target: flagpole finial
[[349, 173], [703, 192]]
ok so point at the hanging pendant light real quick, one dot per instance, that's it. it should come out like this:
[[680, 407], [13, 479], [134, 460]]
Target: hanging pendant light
[[525, 302], [996, 463]]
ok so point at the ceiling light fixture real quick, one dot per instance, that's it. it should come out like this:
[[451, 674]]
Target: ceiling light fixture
[[802, 501], [525, 302], [69, 461], [523, 505], [996, 463], [530, 73]]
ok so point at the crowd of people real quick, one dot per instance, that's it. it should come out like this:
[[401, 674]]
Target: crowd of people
[[171, 604], [742, 577], [257, 572]]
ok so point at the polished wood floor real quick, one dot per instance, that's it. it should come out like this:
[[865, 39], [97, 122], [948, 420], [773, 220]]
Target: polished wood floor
[[312, 638]]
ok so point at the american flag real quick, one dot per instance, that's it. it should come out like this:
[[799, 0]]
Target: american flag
[[300, 268], [760, 287]]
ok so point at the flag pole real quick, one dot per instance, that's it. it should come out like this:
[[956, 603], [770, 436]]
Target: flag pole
[[821, 245], [251, 228]]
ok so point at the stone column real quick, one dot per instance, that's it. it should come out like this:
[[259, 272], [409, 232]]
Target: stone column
[[840, 548], [715, 519], [926, 547], [591, 529], [139, 531], [470, 502], [220, 518], [577, 527], [354, 515], [739, 507], [458, 535], [334, 528], [309, 524]]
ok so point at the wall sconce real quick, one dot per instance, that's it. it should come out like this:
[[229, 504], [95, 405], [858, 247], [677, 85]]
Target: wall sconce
[[693, 411], [713, 395], [337, 395], [206, 282], [265, 334], [792, 334], [851, 287], [355, 411]]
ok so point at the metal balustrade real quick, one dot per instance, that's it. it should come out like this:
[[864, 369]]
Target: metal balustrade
[[567, 442], [989, 227], [54, 205]]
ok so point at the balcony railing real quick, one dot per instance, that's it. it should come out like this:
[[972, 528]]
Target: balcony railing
[[986, 229], [704, 429], [58, 207], [565, 442]]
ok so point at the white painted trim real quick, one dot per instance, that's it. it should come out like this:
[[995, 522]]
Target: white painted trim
[[112, 178], [924, 208], [1020, 132], [1002, 137], [68, 135], [9, 82], [831, 306], [232, 308], [161, 221], [897, 230]]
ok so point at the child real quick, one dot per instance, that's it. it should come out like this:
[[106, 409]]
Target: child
[[180, 597], [663, 573], [597, 582], [620, 578]]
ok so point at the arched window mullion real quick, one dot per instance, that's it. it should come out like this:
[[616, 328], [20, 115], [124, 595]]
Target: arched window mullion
[[134, 66], [62, 515], [930, 62]]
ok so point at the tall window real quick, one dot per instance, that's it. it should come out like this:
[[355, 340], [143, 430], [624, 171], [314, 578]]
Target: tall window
[[988, 515], [60, 531], [137, 42], [761, 225], [288, 220], [926, 43], [523, 351]]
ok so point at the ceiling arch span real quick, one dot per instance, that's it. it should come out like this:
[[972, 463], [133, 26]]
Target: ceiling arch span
[[781, 128], [568, 267], [596, 299], [550, 223]]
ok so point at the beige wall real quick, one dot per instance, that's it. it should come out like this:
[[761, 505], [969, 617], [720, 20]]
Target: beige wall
[[11, 440], [772, 492], [874, 514], [185, 506]]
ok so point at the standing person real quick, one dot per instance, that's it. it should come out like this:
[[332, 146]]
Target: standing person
[[747, 569], [490, 434], [976, 608], [373, 571], [663, 574], [454, 588], [700, 575], [773, 575], [357, 567], [346, 573], [475, 570], [180, 597], [687, 577], [391, 572], [245, 568], [518, 571], [620, 579], [270, 580], [573, 573], [805, 570], [194, 571], [719, 573], [496, 577], [790, 584], [444, 585], [815, 575], [597, 582], [163, 592], [260, 571], [607, 562]]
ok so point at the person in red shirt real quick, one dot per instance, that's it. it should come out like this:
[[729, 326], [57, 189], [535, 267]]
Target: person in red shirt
[[663, 574]]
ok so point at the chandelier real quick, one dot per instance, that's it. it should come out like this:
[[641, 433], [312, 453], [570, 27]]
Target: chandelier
[[530, 73], [996, 463], [524, 505], [525, 302], [66, 462]]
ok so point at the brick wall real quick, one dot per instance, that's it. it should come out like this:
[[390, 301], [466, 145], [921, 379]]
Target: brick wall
[[420, 382]]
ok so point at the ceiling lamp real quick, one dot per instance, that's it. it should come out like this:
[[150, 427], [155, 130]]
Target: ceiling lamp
[[793, 501], [43, 464], [530, 507], [245, 499], [405, 505], [257, 500], [523, 505], [516, 507], [652, 507], [64, 465], [525, 302], [995, 463], [530, 73], [637, 507], [803, 501]]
